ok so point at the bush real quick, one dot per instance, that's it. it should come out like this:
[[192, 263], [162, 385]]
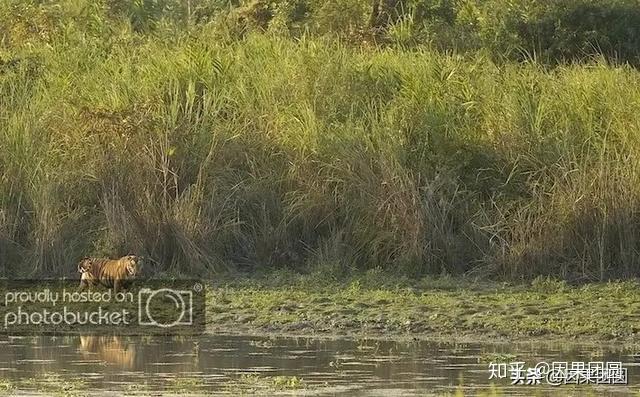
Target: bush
[[576, 30]]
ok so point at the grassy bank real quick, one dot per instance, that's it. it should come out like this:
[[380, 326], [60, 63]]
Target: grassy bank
[[207, 151], [378, 305]]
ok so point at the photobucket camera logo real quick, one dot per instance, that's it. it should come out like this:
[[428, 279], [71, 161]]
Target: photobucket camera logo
[[165, 307]]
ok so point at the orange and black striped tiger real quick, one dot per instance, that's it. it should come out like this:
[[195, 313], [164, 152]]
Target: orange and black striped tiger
[[111, 273]]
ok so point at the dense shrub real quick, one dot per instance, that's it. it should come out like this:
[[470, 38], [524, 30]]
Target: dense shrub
[[574, 30]]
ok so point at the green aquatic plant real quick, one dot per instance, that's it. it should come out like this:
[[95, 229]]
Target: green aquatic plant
[[55, 385], [496, 358], [185, 385], [252, 383], [7, 385], [287, 383]]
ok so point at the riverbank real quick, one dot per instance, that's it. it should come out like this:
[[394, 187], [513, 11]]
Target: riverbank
[[381, 306]]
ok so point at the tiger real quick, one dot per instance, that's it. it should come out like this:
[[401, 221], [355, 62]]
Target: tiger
[[111, 273]]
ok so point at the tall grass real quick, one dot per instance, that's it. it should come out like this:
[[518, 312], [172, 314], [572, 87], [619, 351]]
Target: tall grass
[[208, 153]]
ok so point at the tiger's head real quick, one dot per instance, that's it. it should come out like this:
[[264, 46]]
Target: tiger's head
[[86, 269], [85, 265], [133, 265]]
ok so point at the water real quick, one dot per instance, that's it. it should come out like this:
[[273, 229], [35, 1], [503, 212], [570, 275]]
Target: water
[[212, 364]]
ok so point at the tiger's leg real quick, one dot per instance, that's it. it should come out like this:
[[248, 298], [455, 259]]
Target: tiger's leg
[[85, 282]]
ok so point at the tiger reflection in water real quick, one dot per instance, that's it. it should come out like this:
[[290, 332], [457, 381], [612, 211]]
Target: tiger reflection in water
[[110, 349]]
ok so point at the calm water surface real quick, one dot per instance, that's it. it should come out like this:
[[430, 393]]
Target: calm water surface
[[213, 364]]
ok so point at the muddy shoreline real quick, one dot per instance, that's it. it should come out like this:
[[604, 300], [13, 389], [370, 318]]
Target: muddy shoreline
[[464, 338]]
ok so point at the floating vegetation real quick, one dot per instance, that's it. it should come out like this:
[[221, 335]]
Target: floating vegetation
[[251, 383]]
